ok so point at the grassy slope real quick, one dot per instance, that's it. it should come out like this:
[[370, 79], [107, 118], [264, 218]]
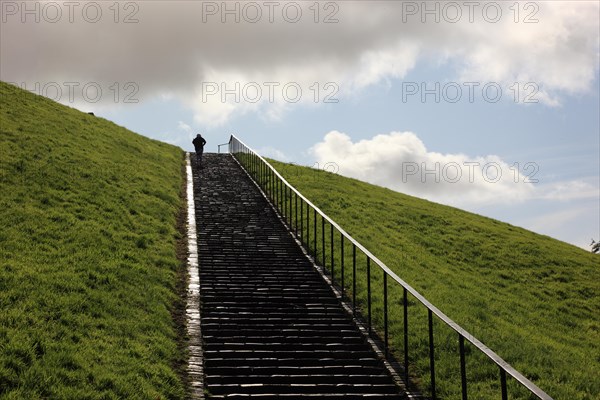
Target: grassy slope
[[87, 256], [533, 299]]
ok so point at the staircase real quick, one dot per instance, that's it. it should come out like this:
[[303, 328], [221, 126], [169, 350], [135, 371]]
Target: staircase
[[271, 326]]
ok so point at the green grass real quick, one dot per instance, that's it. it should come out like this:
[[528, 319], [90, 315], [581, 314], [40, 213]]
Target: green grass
[[88, 266], [532, 299]]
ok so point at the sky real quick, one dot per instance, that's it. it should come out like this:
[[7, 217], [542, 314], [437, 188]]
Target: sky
[[491, 107]]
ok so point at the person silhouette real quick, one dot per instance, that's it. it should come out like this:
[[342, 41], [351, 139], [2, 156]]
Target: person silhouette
[[199, 143]]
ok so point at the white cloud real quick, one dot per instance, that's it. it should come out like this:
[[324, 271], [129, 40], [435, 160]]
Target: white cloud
[[184, 127], [272, 152], [556, 220], [378, 65], [567, 191], [370, 44], [401, 161], [576, 224]]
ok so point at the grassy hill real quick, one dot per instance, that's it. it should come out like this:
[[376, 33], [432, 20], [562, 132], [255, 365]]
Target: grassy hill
[[532, 299], [88, 266]]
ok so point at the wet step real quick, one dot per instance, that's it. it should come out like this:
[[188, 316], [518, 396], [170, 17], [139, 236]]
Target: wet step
[[274, 320], [311, 329], [280, 378], [236, 291], [291, 362], [291, 331], [308, 353], [275, 298], [277, 340], [285, 347], [309, 396], [345, 370], [253, 314], [294, 388]]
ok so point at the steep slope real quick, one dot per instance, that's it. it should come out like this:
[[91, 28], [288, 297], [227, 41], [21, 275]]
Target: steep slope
[[533, 299], [88, 265]]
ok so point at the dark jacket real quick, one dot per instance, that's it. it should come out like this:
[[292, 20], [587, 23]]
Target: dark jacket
[[199, 143]]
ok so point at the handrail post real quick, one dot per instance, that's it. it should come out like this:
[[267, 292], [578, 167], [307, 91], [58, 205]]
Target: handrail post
[[369, 294], [308, 227], [353, 279], [272, 188], [405, 317], [291, 211], [285, 204], [301, 221], [282, 201], [431, 354], [323, 239], [385, 315], [463, 367], [332, 261], [277, 180], [315, 234], [262, 174], [503, 384], [342, 260]]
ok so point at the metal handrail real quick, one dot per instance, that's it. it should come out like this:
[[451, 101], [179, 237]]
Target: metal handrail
[[235, 145], [222, 144]]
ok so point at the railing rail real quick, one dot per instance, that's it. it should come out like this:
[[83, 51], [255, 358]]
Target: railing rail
[[219, 147], [269, 178]]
